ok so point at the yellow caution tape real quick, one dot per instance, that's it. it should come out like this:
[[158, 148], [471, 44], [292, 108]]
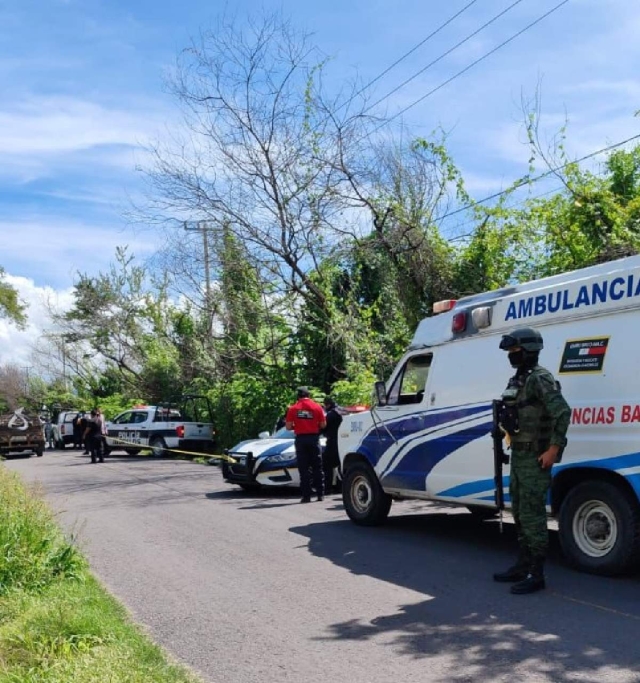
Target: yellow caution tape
[[122, 442]]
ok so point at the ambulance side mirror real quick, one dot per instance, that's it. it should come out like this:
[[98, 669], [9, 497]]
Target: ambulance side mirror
[[381, 393]]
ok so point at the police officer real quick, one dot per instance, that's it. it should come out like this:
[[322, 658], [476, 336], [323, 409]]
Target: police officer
[[93, 437], [536, 417], [306, 419], [330, 459]]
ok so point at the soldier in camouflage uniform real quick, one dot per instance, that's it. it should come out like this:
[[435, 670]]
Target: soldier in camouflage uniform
[[536, 417]]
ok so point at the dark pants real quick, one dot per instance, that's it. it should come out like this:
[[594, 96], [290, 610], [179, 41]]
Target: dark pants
[[95, 448], [330, 461], [309, 463]]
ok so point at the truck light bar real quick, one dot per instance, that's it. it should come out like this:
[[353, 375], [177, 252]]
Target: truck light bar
[[445, 305]]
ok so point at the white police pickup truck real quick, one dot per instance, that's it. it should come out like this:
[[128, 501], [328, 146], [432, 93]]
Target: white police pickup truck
[[184, 426]]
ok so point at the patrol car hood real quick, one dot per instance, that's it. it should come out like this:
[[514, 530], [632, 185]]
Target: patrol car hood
[[261, 448]]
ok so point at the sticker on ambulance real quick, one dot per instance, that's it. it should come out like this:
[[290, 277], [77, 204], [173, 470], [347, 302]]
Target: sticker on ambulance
[[584, 355]]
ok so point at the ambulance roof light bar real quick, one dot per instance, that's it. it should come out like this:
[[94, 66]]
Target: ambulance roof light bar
[[443, 306]]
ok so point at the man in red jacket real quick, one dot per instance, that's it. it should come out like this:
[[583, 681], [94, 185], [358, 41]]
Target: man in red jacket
[[306, 419]]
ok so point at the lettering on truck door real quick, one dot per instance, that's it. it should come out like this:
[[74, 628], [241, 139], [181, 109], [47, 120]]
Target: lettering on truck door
[[403, 462], [139, 428]]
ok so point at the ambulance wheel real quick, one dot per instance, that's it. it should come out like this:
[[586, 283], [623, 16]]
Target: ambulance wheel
[[158, 446], [132, 451], [364, 500], [599, 527]]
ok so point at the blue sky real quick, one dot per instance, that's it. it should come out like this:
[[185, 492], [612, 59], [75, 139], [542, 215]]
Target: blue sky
[[82, 93]]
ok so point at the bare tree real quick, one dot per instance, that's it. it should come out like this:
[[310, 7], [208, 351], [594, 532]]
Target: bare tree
[[13, 385], [261, 150]]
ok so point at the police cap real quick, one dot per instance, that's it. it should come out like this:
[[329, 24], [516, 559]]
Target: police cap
[[303, 392]]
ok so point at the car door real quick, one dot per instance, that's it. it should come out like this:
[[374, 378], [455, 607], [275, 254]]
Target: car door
[[119, 430], [139, 426], [405, 421]]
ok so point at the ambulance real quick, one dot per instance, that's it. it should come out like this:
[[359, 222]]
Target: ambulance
[[428, 436]]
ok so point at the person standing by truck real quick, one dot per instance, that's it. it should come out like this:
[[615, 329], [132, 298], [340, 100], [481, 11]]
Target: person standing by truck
[[306, 419], [536, 417], [330, 458], [93, 437]]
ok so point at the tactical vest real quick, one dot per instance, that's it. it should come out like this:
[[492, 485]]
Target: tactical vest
[[526, 418]]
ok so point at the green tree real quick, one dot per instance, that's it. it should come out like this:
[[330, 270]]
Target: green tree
[[10, 306]]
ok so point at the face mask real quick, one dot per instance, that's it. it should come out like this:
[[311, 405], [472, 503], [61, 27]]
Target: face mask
[[516, 358]]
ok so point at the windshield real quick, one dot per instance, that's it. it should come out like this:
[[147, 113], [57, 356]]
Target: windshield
[[283, 433]]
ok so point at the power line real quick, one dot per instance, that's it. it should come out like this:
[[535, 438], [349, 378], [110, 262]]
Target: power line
[[474, 63], [407, 54], [535, 179], [443, 55]]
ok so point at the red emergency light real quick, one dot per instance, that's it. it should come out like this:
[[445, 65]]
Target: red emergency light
[[459, 322], [180, 431]]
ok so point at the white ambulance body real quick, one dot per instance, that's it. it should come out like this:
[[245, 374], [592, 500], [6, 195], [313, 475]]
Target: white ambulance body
[[429, 437]]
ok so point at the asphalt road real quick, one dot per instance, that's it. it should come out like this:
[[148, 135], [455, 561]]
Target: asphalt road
[[248, 588]]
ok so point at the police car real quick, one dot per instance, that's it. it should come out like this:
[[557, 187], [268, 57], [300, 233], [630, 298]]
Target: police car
[[268, 461], [187, 426], [429, 436]]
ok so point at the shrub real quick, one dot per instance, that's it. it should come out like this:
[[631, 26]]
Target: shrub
[[33, 551]]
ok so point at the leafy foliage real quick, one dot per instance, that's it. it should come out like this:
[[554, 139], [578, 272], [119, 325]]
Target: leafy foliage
[[10, 305]]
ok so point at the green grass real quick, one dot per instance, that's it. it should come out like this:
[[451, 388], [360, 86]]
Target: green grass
[[57, 624]]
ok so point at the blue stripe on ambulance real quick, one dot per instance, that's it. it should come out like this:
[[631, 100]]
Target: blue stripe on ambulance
[[421, 436], [615, 463], [377, 441], [411, 473]]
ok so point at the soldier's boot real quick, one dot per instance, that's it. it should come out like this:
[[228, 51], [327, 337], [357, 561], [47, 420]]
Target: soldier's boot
[[534, 581], [517, 572]]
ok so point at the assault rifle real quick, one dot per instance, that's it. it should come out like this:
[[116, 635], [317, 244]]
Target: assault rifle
[[500, 458]]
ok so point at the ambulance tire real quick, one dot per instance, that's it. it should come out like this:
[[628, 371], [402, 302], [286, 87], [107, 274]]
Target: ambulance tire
[[599, 528], [158, 446], [364, 500]]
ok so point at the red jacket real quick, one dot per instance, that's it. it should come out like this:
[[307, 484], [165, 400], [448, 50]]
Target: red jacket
[[306, 416]]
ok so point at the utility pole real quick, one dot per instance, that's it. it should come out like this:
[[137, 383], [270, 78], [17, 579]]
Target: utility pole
[[203, 227], [27, 378]]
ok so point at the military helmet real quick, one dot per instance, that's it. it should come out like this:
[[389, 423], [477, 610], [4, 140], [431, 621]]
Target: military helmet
[[525, 337]]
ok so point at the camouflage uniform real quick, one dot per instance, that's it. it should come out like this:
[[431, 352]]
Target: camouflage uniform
[[544, 417]]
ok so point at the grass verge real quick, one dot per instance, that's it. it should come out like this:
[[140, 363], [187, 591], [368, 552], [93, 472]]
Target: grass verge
[[57, 623]]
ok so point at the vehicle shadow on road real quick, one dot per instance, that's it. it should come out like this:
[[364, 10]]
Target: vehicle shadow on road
[[581, 627], [265, 501]]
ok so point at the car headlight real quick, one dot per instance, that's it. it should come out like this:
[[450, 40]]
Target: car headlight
[[281, 457]]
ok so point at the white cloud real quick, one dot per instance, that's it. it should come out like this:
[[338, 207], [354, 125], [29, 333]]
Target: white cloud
[[56, 249], [44, 125], [38, 134], [16, 346]]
